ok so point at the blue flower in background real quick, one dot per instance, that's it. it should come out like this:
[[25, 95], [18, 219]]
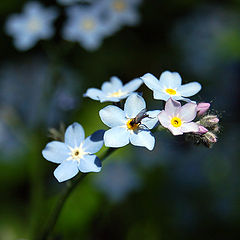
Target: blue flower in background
[[76, 153], [113, 91], [33, 24], [122, 130], [85, 26], [170, 86], [69, 2]]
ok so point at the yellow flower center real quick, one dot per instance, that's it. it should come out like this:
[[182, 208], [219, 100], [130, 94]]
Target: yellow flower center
[[88, 24], [76, 153], [176, 122], [119, 6], [171, 91], [131, 125], [119, 93], [34, 25]]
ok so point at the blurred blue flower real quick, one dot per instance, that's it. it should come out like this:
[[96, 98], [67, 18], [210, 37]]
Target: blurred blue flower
[[33, 24], [122, 127], [113, 91], [117, 180], [76, 153], [169, 86], [85, 26], [69, 2]]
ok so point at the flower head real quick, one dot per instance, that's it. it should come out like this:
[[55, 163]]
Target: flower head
[[75, 154], [169, 86], [114, 90], [124, 126], [179, 119], [33, 24]]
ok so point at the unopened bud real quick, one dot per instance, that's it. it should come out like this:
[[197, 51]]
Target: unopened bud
[[202, 108], [210, 137], [202, 130]]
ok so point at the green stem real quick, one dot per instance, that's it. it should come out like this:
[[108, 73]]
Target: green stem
[[70, 187]]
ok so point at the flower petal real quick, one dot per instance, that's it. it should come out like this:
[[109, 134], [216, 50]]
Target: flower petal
[[132, 85], [116, 82], [152, 120], [190, 127], [151, 81], [94, 142], [112, 116], [114, 85], [74, 135], [94, 94], [170, 80], [66, 170], [164, 119], [189, 89], [55, 152], [175, 130], [172, 107], [159, 95], [188, 112], [90, 163], [116, 137], [143, 138], [134, 105]]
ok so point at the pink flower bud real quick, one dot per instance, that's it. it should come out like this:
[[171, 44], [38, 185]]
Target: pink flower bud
[[202, 130], [214, 120], [202, 108]]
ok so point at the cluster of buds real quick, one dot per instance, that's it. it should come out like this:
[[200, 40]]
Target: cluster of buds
[[208, 127]]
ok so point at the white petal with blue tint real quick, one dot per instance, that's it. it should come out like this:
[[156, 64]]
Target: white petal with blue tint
[[189, 89], [112, 116], [133, 105], [172, 107], [151, 81], [132, 85], [90, 163], [56, 152], [116, 83], [66, 170], [74, 135], [94, 142], [190, 127], [143, 138], [116, 137], [160, 95], [151, 120], [170, 80], [94, 93]]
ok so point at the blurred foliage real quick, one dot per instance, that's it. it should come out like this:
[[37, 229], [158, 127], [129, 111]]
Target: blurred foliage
[[186, 192]]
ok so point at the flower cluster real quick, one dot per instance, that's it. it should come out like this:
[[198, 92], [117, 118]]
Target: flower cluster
[[88, 24], [134, 123]]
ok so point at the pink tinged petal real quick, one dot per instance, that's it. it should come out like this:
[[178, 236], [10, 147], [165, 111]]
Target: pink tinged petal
[[190, 127], [202, 130], [134, 105], [56, 152], [94, 94], [189, 89], [172, 107], [74, 135], [90, 163], [66, 170], [143, 138], [214, 120], [175, 130], [188, 112], [151, 81], [116, 137], [170, 80], [202, 108], [132, 85], [164, 119], [112, 116]]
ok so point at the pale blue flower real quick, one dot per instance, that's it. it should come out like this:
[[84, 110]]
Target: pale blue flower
[[170, 86], [84, 25], [114, 90], [33, 24], [76, 153], [122, 130], [69, 2], [121, 12]]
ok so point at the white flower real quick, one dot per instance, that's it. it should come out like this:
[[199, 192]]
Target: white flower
[[124, 129], [85, 26], [179, 119], [169, 86], [114, 90], [33, 24]]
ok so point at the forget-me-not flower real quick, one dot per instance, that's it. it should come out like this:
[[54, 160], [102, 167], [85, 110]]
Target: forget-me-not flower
[[124, 129], [170, 86], [76, 153], [33, 24], [179, 119], [114, 90], [84, 25]]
